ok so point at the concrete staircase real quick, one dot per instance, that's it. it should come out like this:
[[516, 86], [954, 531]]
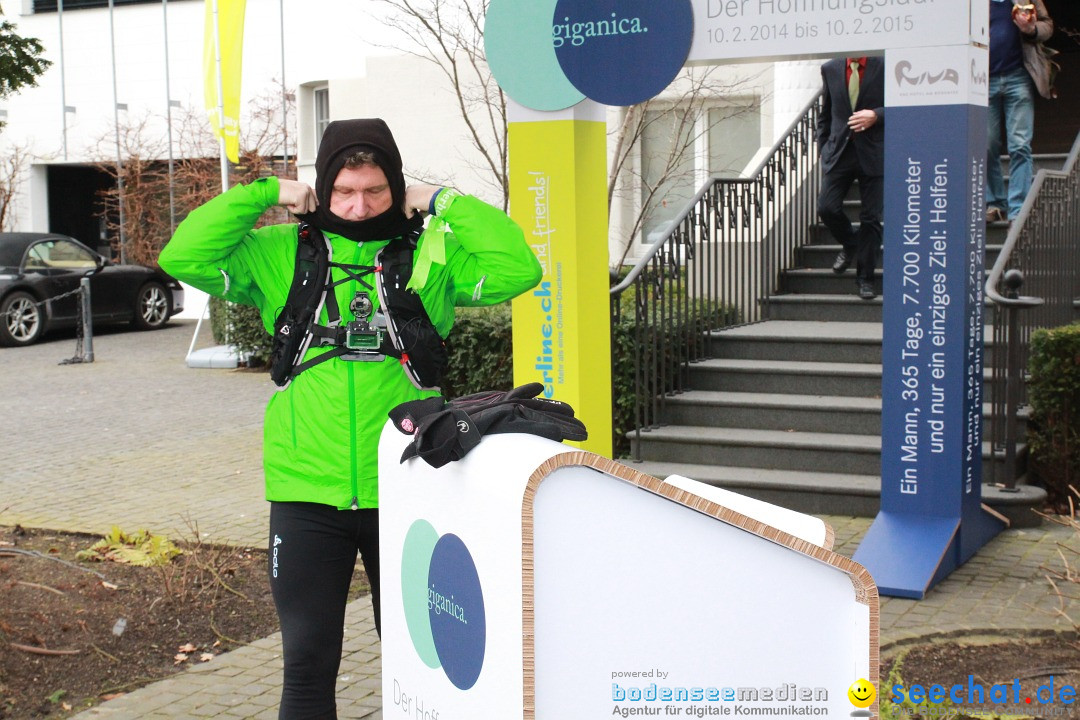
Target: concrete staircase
[[789, 410]]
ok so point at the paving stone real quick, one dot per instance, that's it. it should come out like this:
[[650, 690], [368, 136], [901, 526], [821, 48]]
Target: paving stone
[[201, 447]]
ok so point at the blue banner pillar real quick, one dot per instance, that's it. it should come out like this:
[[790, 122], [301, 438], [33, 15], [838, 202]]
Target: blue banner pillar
[[932, 519]]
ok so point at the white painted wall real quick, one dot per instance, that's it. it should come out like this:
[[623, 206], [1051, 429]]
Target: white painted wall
[[324, 38], [414, 98], [796, 82], [333, 43]]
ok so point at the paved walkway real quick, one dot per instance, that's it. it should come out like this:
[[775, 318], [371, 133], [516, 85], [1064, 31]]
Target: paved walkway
[[139, 440]]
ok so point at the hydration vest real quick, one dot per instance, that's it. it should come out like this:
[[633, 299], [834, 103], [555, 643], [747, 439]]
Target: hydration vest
[[399, 328]]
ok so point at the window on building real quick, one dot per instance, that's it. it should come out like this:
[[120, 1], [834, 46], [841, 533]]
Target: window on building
[[679, 152], [322, 112], [667, 167], [44, 6]]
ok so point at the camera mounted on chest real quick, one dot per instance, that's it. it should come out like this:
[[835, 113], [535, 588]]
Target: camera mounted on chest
[[399, 328]]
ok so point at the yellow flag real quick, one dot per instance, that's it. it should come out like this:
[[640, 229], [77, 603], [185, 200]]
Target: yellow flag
[[230, 40]]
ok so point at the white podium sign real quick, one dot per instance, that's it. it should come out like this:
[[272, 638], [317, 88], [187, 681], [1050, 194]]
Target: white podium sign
[[531, 581]]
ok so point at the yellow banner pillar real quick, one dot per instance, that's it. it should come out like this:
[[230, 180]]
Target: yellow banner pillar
[[558, 194]]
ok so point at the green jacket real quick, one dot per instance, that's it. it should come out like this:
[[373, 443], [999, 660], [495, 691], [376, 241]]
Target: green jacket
[[321, 433]]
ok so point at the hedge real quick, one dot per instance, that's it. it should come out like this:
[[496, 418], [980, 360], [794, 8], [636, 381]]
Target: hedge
[[480, 352], [240, 325], [1053, 431]]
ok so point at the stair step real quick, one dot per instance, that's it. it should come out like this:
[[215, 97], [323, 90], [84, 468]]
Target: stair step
[[810, 341], [820, 235], [800, 340], [781, 411], [778, 376], [822, 256], [775, 411], [839, 308], [852, 207], [769, 449], [822, 281], [1050, 161], [800, 490], [749, 425], [812, 306], [789, 376]]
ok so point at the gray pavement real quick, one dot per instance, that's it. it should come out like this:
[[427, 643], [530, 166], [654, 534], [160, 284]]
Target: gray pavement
[[138, 440]]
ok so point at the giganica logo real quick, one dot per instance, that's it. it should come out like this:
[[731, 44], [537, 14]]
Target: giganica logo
[[550, 54], [444, 604], [576, 33]]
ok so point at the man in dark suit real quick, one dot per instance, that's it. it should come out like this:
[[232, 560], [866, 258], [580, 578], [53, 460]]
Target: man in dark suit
[[851, 138]]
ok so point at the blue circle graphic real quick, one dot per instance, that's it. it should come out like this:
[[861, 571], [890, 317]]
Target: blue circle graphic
[[622, 52], [456, 610]]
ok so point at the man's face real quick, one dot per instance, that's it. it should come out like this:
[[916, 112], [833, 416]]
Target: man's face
[[360, 193]]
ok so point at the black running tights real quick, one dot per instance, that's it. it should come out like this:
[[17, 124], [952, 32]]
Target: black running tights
[[312, 554]]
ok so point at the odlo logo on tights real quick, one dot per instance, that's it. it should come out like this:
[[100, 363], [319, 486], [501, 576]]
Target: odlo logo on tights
[[444, 604]]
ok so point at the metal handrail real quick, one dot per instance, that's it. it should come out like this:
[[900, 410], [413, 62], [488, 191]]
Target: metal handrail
[[692, 202], [715, 265], [1041, 252]]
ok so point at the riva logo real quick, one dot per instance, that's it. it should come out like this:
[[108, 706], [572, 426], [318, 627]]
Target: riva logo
[[977, 77], [904, 75]]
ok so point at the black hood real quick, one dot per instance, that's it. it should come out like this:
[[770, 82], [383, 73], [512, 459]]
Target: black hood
[[342, 139]]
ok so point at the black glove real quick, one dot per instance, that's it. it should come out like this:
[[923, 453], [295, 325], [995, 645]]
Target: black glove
[[444, 431]]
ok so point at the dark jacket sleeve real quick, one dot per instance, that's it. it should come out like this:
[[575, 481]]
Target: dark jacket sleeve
[[824, 121]]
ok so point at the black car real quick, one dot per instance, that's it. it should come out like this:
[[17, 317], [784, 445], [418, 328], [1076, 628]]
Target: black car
[[38, 270]]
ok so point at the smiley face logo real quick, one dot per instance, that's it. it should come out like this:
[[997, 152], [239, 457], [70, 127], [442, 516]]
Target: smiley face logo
[[862, 693]]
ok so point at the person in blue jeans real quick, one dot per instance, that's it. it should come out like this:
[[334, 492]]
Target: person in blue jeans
[[1016, 73]]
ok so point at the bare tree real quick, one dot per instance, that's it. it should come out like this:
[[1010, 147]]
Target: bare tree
[[13, 164], [681, 112], [196, 176], [450, 34]]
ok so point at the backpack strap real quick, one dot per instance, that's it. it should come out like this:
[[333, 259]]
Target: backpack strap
[[401, 327], [307, 295]]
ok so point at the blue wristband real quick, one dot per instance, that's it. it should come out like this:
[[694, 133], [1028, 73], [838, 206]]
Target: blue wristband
[[431, 205]]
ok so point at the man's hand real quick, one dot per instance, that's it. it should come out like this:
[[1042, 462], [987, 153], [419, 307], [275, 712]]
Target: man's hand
[[862, 120], [418, 198], [1025, 20], [296, 197]]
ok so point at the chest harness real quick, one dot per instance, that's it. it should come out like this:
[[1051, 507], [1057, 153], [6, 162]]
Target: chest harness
[[399, 328]]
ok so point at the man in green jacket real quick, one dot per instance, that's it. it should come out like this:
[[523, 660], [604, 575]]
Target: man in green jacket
[[321, 431]]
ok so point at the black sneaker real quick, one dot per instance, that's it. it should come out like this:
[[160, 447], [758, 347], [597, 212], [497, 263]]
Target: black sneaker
[[866, 290], [841, 263]]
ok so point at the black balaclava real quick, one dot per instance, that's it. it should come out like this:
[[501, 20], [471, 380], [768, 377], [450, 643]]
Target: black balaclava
[[342, 139]]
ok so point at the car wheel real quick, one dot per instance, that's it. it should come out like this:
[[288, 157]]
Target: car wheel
[[151, 306], [22, 320]]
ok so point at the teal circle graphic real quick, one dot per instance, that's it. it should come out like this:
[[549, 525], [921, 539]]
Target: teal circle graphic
[[416, 555], [521, 54], [443, 603]]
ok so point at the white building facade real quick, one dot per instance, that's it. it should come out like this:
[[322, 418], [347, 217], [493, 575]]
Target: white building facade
[[138, 64]]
